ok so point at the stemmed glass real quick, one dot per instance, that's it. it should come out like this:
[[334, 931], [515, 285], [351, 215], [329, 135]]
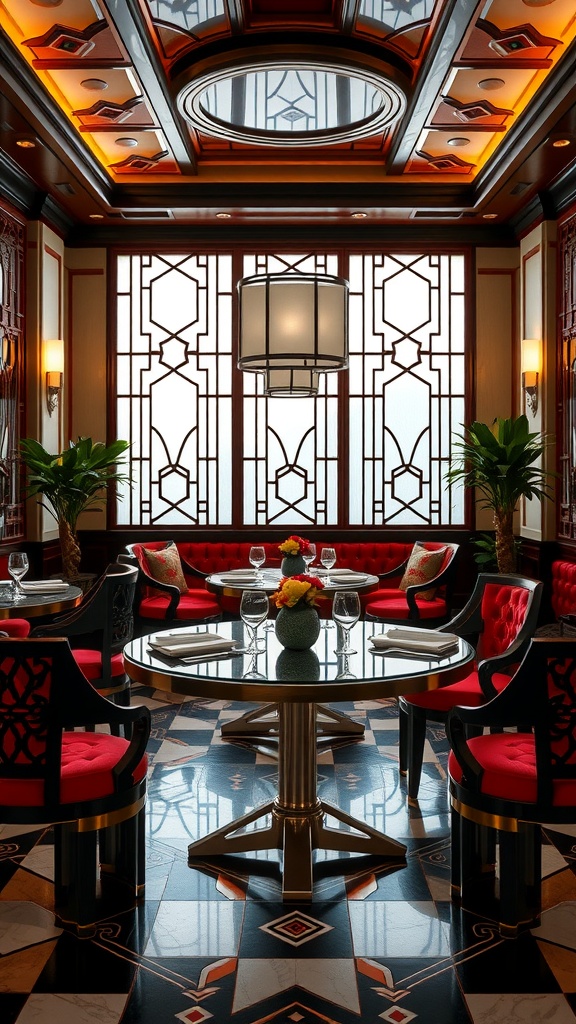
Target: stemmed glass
[[310, 556], [253, 611], [328, 559], [18, 567], [346, 612], [257, 557]]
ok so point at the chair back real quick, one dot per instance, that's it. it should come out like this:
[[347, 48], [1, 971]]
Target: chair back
[[501, 614], [506, 609], [30, 739], [43, 693], [105, 618], [555, 717]]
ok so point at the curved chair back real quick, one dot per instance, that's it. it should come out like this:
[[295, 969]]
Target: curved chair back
[[103, 623], [501, 615]]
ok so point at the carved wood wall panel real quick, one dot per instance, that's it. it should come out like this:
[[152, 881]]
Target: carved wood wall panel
[[12, 239], [567, 405]]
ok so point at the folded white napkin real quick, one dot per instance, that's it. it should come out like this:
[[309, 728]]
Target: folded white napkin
[[44, 586], [179, 645], [349, 579], [416, 641], [238, 572], [237, 578], [338, 572]]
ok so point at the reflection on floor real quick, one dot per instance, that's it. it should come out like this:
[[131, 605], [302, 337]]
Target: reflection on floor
[[216, 943]]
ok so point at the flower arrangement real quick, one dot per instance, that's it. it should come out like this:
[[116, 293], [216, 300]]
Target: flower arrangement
[[295, 546], [293, 589]]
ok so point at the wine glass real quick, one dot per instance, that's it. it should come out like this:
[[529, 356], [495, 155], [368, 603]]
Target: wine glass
[[253, 611], [257, 557], [17, 567], [310, 555], [328, 559], [346, 612]]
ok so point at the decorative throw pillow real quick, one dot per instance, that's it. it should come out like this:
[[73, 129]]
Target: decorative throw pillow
[[166, 567], [423, 565]]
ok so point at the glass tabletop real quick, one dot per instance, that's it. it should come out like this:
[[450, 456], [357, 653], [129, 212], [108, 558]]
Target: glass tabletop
[[278, 674]]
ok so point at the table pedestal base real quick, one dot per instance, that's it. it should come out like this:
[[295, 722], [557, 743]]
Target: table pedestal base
[[297, 827], [259, 729]]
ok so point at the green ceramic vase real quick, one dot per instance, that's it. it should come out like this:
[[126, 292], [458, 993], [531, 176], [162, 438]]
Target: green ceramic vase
[[297, 628], [292, 565]]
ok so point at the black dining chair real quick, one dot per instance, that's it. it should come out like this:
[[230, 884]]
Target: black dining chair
[[499, 619], [56, 769], [99, 629], [512, 767]]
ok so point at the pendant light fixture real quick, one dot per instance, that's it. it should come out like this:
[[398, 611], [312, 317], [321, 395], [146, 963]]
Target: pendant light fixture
[[292, 327]]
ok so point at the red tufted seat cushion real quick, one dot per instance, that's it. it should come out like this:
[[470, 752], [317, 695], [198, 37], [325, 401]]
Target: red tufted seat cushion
[[508, 761], [15, 627], [195, 604], [91, 663], [88, 760], [466, 692]]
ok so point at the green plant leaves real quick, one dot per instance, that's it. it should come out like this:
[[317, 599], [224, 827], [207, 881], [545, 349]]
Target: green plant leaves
[[75, 479]]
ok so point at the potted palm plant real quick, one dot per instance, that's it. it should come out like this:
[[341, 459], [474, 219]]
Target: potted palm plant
[[499, 461], [71, 482]]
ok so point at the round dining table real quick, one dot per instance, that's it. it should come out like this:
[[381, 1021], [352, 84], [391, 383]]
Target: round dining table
[[294, 822], [258, 729], [32, 606]]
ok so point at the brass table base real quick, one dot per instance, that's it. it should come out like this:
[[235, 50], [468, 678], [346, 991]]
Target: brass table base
[[297, 827], [259, 729]]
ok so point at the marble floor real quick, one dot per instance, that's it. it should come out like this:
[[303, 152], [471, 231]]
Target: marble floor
[[214, 942]]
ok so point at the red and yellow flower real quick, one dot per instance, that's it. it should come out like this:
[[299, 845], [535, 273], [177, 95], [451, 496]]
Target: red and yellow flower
[[295, 546], [293, 589]]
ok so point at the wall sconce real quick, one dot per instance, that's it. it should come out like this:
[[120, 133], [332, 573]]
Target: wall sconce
[[531, 362], [54, 363]]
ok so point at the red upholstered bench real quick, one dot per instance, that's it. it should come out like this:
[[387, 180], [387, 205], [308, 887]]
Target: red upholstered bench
[[385, 559]]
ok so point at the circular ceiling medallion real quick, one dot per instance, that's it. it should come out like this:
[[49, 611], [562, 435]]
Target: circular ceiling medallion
[[292, 101]]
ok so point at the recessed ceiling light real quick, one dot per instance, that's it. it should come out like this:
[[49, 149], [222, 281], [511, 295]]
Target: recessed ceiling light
[[537, 3], [459, 140], [359, 215], [94, 84], [126, 141], [47, 3], [488, 84], [489, 216], [223, 216], [560, 143], [96, 216], [26, 143]]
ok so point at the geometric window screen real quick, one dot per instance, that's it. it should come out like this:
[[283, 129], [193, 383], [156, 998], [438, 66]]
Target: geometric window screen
[[281, 462], [406, 388]]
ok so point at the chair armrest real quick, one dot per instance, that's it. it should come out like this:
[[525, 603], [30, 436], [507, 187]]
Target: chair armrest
[[499, 662], [144, 580], [414, 589], [191, 570], [139, 734], [398, 570]]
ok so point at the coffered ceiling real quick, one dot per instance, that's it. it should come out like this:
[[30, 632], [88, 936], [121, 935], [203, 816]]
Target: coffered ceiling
[[288, 112]]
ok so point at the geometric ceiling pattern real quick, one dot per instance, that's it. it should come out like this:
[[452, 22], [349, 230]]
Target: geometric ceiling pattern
[[405, 92]]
